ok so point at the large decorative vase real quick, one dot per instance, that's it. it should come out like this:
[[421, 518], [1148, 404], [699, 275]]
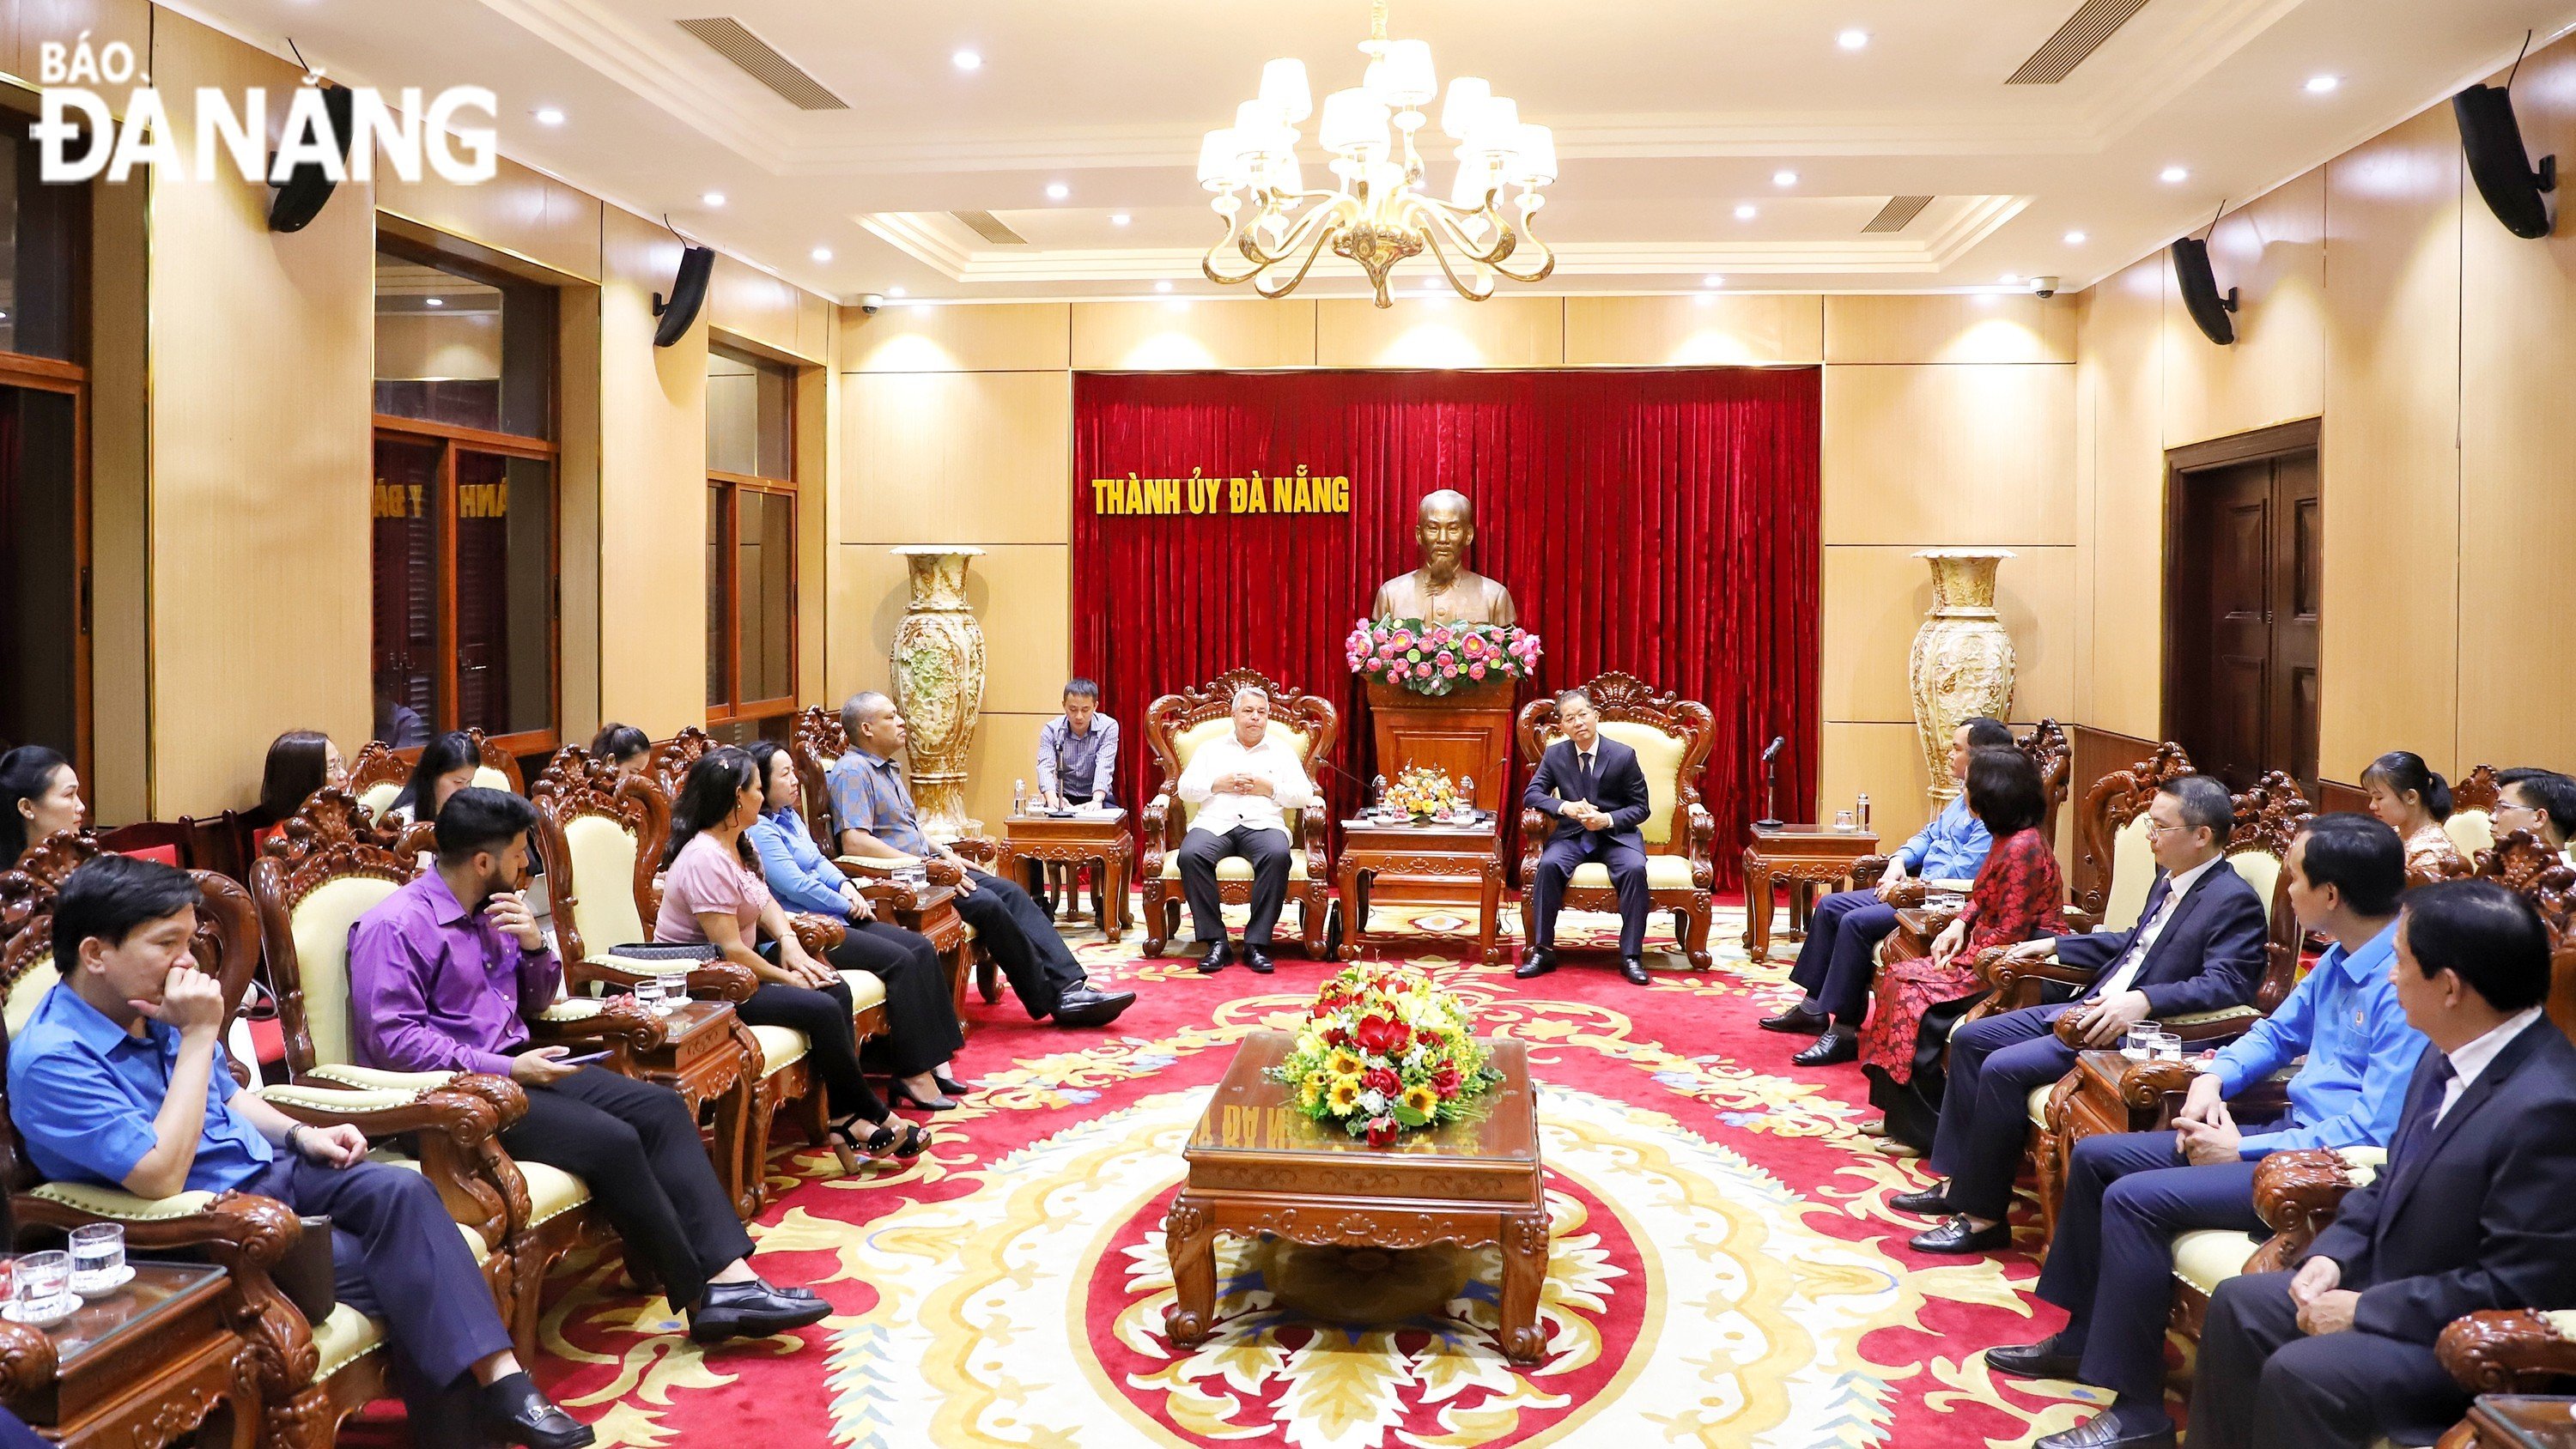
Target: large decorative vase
[[1962, 665], [939, 684]]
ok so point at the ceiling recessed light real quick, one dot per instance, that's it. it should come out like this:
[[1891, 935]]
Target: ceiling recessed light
[[822, 254], [967, 60], [1118, 218], [894, 291], [1712, 280], [2012, 279], [1164, 286], [713, 198], [2172, 174], [1058, 191], [2320, 84], [1747, 211], [1852, 39], [435, 301], [549, 116], [1784, 178], [2075, 238]]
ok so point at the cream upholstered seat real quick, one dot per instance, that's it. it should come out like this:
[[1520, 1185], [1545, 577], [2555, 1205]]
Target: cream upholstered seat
[[379, 798], [2473, 831], [1671, 737], [2203, 1260]]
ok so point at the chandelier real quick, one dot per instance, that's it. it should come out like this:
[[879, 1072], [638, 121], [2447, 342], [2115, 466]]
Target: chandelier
[[1378, 214]]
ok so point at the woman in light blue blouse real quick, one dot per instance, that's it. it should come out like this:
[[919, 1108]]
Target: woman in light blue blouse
[[921, 1017]]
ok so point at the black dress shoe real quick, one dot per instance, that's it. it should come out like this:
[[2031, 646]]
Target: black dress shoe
[[1083, 1006], [511, 1410], [1955, 1236], [1257, 959], [2039, 1360], [1214, 961], [2106, 1431], [751, 1310], [1835, 1047], [1540, 961], [949, 1085], [1634, 968], [1931, 1202], [1797, 1021]]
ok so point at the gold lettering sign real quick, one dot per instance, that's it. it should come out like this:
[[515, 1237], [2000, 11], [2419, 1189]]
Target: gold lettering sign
[[1303, 491]]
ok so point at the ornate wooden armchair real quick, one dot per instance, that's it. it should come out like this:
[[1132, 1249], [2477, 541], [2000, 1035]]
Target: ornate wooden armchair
[[1671, 737], [596, 825], [377, 773], [2471, 825], [1175, 726], [668, 762], [2047, 746]]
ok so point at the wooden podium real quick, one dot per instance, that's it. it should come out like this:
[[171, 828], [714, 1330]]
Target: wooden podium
[[1466, 733]]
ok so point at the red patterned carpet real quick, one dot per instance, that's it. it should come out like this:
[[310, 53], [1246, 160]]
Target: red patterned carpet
[[1724, 1273]]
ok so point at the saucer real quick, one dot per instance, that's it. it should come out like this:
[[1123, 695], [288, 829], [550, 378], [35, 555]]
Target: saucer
[[10, 1311], [124, 1275]]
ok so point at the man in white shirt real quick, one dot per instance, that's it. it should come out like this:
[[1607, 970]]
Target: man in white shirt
[[1244, 784]]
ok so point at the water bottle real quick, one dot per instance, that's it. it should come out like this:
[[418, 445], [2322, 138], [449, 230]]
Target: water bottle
[[1019, 797], [1466, 807], [1377, 787], [1861, 809]]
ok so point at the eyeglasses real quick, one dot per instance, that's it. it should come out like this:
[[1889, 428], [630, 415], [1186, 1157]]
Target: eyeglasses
[[2158, 827]]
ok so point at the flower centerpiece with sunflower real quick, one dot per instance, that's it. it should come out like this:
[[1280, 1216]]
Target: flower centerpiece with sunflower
[[1423, 793], [1384, 1051]]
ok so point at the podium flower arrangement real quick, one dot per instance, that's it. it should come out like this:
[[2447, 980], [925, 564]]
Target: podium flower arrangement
[[1422, 792], [1384, 1051], [1437, 659]]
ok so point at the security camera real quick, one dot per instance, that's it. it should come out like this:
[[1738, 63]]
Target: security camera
[[872, 302], [2044, 286]]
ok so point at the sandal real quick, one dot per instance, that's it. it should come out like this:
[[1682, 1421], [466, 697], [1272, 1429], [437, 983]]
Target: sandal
[[885, 1142]]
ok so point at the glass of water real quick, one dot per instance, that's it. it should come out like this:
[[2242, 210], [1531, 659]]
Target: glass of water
[[1843, 821], [2139, 1042], [44, 1288], [2167, 1047], [98, 1259]]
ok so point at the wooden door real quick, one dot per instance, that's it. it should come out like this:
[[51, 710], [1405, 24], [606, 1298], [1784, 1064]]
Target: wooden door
[[2243, 573]]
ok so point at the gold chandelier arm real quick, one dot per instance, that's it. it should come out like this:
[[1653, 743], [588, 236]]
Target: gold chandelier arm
[[1527, 232], [1233, 228], [1318, 218], [1434, 217], [1314, 250], [1469, 290]]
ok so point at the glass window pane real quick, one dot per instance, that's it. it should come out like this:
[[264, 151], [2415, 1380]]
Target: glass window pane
[[453, 349], [750, 417], [765, 570], [39, 239], [406, 576], [39, 572], [717, 588], [504, 593]]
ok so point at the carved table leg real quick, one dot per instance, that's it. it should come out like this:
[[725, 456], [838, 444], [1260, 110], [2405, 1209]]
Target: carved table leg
[[1189, 1242], [1524, 1270], [1490, 910], [1354, 910], [1757, 907]]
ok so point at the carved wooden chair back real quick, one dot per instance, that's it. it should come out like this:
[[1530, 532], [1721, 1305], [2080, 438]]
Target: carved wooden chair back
[[2049, 749], [2269, 816], [1672, 738], [2524, 864], [2111, 837], [812, 745], [600, 834], [668, 763], [2471, 825], [376, 776], [171, 842], [1177, 724], [328, 865]]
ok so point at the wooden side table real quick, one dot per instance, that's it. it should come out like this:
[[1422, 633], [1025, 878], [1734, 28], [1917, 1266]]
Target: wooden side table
[[2519, 1421], [1074, 840], [1410, 854], [143, 1365], [1258, 1165], [1803, 857], [710, 1056]]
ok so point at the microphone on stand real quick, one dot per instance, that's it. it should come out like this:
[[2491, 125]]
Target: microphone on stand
[[1771, 784]]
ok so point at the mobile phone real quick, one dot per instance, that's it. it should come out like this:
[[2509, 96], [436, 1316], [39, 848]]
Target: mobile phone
[[581, 1061]]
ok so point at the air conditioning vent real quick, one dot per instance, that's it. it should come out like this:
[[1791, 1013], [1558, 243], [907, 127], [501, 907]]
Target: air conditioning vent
[[988, 226], [2083, 33], [1898, 214], [761, 61]]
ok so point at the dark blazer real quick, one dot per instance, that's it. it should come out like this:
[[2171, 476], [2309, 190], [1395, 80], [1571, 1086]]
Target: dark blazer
[[1618, 786], [2476, 1211], [2208, 958]]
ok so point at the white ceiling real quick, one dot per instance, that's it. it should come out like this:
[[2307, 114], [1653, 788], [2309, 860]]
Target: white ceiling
[[1669, 116]]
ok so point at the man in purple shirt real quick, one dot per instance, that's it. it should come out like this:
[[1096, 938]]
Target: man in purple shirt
[[440, 976]]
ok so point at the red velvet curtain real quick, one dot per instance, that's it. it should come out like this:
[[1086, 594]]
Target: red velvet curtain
[[1658, 522]]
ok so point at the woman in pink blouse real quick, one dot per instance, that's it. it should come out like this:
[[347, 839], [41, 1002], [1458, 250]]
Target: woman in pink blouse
[[713, 893]]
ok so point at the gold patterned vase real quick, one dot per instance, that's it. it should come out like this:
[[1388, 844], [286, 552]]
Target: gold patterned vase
[[939, 684], [1962, 664]]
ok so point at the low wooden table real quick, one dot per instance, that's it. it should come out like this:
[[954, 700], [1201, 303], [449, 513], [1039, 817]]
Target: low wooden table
[[2521, 1421], [1258, 1165], [1074, 840], [1804, 856], [1411, 854], [710, 1056], [143, 1365]]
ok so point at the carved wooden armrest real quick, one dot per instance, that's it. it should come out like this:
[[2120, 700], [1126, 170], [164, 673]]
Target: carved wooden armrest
[[2224, 1024], [889, 895], [2298, 1192], [2509, 1350], [981, 849], [2144, 1085], [1868, 870], [2013, 979], [1154, 827], [1310, 831], [816, 933], [452, 1131], [27, 1365], [615, 1022], [1699, 845], [707, 980]]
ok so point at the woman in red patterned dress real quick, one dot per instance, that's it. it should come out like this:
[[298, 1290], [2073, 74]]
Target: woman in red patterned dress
[[2018, 894]]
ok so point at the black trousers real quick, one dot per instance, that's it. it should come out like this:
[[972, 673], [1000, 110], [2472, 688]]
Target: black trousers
[[397, 1257], [832, 1041], [1627, 866], [2128, 1196], [1266, 851], [2263, 1384], [1023, 941], [1985, 1111], [921, 1017], [637, 1146], [1835, 962]]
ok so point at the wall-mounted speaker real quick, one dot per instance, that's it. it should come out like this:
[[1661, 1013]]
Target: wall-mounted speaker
[[299, 198], [2200, 295], [2492, 141], [688, 294]]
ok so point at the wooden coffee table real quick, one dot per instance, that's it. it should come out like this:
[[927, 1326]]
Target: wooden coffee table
[[1803, 857], [143, 1365], [710, 1056], [1420, 854], [1258, 1165], [2520, 1421], [1074, 840]]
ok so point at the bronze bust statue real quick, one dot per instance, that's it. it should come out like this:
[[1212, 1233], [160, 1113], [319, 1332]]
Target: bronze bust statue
[[1444, 590]]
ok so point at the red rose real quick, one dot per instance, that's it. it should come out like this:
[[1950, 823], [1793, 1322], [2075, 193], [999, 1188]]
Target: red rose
[[1334, 1036], [1381, 1132], [1380, 1035], [1445, 1080], [1382, 1079]]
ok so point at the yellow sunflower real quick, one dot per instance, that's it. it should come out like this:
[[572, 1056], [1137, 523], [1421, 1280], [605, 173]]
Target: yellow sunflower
[[1343, 1064], [1345, 1093], [1421, 1098], [1311, 1090]]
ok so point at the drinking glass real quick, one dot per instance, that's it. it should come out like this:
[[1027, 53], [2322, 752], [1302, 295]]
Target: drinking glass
[[1843, 821], [44, 1288], [647, 992], [2167, 1047], [2138, 1043], [98, 1258]]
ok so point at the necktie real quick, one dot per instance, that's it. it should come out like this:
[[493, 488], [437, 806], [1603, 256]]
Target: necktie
[[1586, 757], [2412, 1131]]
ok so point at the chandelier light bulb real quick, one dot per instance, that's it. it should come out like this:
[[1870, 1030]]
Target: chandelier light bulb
[[1284, 90], [1408, 79], [1533, 161], [1354, 124], [1217, 153], [1459, 115], [1495, 127]]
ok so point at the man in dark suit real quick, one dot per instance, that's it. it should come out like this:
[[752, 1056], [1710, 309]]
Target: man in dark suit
[[2197, 946], [2475, 1209], [1597, 792]]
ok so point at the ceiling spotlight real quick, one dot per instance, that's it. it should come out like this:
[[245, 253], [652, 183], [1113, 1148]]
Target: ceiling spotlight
[[2320, 84], [549, 116], [2075, 238], [894, 291], [1747, 211], [1852, 39], [1058, 191], [1163, 286], [1118, 218], [713, 198], [2012, 279], [435, 301], [1712, 280], [822, 254], [2173, 174], [1784, 178], [967, 60]]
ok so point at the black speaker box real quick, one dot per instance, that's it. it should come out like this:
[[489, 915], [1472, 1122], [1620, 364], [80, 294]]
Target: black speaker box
[[2492, 141], [688, 294], [299, 198], [2200, 294]]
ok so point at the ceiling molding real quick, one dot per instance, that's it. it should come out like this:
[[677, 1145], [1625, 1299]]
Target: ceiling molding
[[683, 85]]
